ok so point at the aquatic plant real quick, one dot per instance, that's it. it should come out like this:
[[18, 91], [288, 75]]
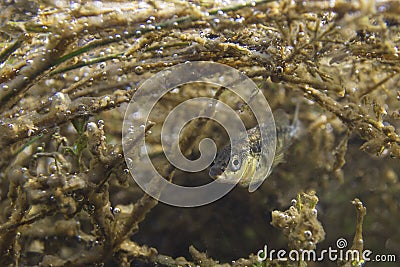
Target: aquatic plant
[[68, 69]]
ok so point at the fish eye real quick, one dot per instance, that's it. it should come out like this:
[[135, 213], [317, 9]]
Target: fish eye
[[235, 163]]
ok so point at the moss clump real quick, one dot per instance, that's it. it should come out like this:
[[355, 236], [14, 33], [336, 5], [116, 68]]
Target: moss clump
[[68, 69], [299, 223]]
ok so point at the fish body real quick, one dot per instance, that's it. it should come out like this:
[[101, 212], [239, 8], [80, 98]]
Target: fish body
[[249, 159]]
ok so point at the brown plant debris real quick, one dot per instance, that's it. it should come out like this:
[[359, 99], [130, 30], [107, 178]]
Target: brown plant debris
[[69, 68]]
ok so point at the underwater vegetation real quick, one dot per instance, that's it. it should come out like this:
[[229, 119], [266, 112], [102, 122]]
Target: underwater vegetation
[[69, 69]]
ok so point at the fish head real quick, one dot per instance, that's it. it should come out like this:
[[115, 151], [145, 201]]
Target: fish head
[[234, 167]]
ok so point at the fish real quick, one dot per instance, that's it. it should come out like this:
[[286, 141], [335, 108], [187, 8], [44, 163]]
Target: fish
[[249, 159]]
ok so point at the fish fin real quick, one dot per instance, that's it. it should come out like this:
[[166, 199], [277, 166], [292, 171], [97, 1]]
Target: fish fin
[[280, 155]]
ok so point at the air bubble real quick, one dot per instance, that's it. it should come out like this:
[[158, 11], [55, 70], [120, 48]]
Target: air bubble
[[52, 168], [82, 107], [314, 212], [139, 70], [307, 234], [91, 127]]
